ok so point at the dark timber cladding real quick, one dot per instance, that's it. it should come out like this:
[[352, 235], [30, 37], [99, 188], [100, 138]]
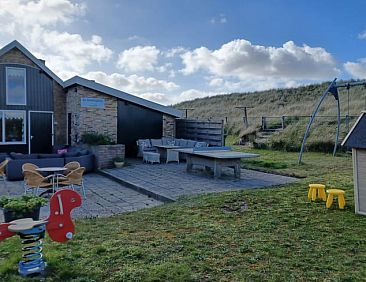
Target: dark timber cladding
[[211, 132], [39, 97], [137, 122]]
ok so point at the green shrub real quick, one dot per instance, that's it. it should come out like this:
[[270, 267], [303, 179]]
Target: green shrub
[[93, 138], [23, 204]]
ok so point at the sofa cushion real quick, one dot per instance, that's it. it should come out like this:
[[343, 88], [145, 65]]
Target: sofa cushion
[[156, 142], [168, 141], [84, 152], [200, 144], [191, 143], [3, 157], [61, 151], [71, 154], [144, 143], [49, 156], [18, 156], [181, 142]]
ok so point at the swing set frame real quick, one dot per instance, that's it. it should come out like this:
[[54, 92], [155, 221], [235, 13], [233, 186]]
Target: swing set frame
[[331, 89]]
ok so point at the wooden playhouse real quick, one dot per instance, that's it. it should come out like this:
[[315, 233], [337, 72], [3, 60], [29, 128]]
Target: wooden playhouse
[[356, 139]]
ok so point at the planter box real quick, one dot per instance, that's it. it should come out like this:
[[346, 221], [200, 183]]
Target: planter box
[[104, 154], [10, 215]]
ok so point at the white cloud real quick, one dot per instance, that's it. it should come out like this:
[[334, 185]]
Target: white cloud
[[35, 23], [221, 19], [139, 58], [362, 35], [174, 52], [243, 60], [132, 83], [194, 94], [356, 69]]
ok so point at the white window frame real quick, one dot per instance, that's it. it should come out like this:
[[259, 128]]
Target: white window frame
[[3, 142], [25, 86]]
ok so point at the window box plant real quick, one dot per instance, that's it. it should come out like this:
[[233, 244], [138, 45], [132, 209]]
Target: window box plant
[[118, 162], [21, 207]]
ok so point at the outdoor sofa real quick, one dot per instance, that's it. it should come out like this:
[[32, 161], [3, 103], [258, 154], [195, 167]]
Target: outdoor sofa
[[14, 167], [148, 144]]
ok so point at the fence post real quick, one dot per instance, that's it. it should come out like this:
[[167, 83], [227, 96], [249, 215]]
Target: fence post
[[283, 122], [263, 123]]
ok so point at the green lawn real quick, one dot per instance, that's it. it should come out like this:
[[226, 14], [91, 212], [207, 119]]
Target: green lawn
[[253, 235]]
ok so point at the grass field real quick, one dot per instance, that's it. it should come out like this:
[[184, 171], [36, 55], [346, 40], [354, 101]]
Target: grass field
[[253, 235]]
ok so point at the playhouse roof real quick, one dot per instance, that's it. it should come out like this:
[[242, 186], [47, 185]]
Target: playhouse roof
[[356, 137]]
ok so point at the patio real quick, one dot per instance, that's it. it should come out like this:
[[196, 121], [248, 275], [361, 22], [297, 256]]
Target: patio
[[168, 182], [104, 198], [138, 185]]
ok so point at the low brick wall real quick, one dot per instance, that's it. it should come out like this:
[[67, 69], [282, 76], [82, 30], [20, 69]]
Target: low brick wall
[[104, 154]]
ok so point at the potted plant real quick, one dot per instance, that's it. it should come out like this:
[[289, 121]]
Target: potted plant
[[118, 162], [21, 207]]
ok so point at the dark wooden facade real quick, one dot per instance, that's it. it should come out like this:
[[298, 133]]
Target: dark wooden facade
[[137, 122], [39, 97]]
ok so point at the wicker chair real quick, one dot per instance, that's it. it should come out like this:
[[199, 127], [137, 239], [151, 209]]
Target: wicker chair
[[71, 166], [2, 169], [33, 180], [74, 177], [29, 166]]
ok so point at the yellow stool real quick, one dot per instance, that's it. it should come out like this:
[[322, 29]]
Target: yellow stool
[[315, 189], [336, 192]]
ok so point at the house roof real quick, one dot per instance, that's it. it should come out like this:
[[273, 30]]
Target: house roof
[[91, 84], [356, 137], [37, 62]]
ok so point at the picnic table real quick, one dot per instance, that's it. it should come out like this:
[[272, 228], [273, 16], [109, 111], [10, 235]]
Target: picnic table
[[211, 157]]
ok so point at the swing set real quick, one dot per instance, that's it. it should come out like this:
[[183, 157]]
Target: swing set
[[331, 89]]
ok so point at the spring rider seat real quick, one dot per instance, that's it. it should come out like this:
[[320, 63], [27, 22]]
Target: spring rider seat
[[59, 226]]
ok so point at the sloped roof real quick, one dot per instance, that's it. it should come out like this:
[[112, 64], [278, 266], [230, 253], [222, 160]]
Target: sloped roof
[[91, 84], [37, 62], [356, 137]]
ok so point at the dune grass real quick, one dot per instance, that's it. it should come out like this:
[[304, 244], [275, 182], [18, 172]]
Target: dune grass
[[251, 235]]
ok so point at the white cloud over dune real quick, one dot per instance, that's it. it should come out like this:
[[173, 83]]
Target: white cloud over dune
[[356, 69], [243, 60]]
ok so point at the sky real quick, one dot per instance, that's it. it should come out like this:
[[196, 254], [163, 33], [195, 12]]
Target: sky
[[170, 51]]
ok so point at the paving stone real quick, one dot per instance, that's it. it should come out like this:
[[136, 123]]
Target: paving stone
[[172, 181], [105, 197]]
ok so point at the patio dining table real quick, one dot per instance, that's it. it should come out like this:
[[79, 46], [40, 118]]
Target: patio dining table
[[168, 153], [55, 174], [215, 159]]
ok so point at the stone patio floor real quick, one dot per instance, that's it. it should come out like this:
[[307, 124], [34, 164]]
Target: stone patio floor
[[138, 185], [104, 198], [171, 181]]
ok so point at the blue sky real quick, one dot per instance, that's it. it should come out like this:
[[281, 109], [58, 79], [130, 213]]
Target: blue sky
[[169, 51]]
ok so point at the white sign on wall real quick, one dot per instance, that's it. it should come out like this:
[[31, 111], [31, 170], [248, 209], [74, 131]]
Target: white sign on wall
[[92, 103]]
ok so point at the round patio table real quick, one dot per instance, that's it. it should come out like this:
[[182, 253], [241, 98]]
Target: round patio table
[[52, 170]]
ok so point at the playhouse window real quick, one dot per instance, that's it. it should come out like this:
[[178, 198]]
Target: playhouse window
[[12, 125], [15, 86]]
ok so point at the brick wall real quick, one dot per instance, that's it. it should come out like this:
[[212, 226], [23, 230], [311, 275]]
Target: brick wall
[[15, 56], [104, 154], [102, 121], [168, 126], [59, 100]]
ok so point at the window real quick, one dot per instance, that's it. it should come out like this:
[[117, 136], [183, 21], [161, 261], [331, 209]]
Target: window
[[15, 86], [12, 125]]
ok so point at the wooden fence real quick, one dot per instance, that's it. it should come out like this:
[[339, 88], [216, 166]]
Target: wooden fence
[[211, 132]]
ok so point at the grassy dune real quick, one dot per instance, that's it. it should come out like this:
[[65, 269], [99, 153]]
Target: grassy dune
[[299, 101]]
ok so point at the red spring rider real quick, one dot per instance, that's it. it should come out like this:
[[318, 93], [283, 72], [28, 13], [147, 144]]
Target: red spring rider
[[59, 226]]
